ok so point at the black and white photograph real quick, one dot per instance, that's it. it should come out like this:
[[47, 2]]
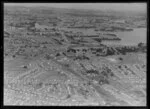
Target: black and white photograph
[[75, 54]]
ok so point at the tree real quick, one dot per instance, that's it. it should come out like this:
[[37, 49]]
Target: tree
[[140, 44], [120, 58]]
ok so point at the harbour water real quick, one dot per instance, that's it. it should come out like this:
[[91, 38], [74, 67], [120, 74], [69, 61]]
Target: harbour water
[[130, 37], [127, 37]]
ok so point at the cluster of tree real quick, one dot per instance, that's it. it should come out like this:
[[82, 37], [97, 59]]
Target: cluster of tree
[[6, 34], [47, 56], [125, 49], [101, 77], [97, 39], [142, 47], [83, 57]]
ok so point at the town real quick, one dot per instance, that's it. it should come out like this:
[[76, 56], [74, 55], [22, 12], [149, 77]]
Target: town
[[55, 56]]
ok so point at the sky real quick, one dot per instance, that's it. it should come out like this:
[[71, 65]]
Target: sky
[[139, 7]]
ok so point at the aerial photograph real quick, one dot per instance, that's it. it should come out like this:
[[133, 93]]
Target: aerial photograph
[[75, 54]]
